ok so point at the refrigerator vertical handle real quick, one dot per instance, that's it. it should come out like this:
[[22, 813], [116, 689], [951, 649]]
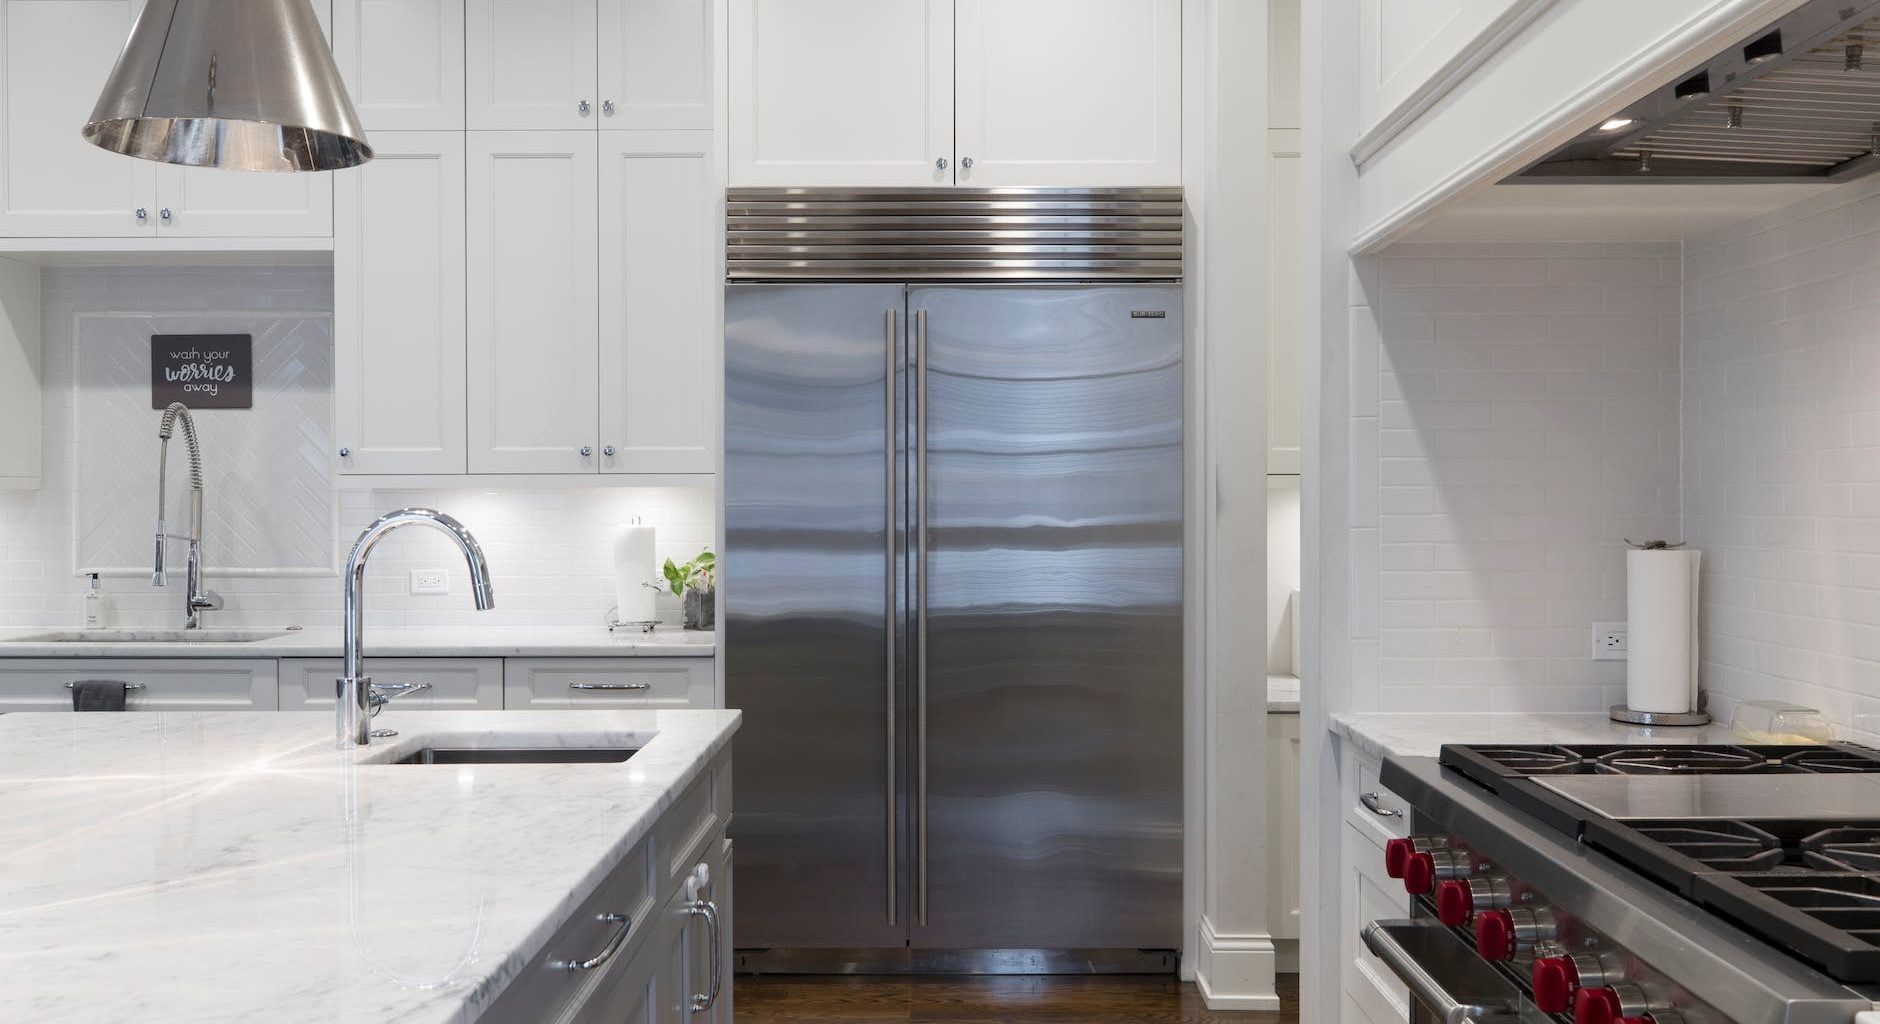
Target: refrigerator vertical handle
[[893, 464], [920, 613]]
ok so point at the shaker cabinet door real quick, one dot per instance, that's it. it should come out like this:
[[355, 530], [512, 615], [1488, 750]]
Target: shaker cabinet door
[[532, 302], [54, 55], [1069, 92], [403, 62], [531, 64], [658, 317], [656, 64], [398, 307], [841, 92]]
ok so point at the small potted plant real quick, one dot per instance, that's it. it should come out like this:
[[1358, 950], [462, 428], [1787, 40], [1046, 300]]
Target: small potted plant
[[694, 583]]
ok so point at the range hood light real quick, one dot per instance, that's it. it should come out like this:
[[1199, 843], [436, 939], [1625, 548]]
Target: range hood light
[[1765, 48], [242, 84], [1617, 123], [1693, 87]]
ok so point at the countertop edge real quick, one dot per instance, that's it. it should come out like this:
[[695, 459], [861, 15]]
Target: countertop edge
[[1387, 734]]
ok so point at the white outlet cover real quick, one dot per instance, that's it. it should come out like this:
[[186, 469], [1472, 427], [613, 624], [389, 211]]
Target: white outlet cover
[[1609, 641], [430, 581]]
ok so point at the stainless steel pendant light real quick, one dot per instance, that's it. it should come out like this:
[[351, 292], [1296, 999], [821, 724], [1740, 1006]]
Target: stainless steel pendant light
[[242, 84]]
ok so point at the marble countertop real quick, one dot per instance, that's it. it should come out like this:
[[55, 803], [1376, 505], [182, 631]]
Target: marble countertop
[[590, 642], [1411, 735], [1282, 695], [235, 867]]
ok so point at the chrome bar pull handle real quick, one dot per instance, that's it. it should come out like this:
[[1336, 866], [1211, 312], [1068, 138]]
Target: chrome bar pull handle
[[920, 621], [610, 686], [893, 474], [607, 953], [702, 1001], [1373, 803]]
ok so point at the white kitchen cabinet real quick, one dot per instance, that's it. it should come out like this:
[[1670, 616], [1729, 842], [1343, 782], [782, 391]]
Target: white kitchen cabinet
[[398, 303], [158, 684], [531, 64], [1068, 92], [21, 374], [210, 202], [1283, 827], [1284, 384], [54, 55], [1372, 816], [533, 303], [841, 92], [403, 62], [656, 64], [533, 683], [661, 261], [456, 684]]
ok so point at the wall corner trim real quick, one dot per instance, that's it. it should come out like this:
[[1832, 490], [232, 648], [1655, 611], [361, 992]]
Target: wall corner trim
[[1236, 972]]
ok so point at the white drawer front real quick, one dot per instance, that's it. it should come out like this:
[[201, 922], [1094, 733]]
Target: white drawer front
[[607, 683], [1377, 811], [457, 684], [1369, 895], [158, 684]]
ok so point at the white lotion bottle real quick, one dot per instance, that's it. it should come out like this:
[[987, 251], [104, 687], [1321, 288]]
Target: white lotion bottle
[[97, 611]]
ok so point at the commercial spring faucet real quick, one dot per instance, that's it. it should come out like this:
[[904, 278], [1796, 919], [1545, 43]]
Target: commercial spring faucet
[[197, 600], [353, 718]]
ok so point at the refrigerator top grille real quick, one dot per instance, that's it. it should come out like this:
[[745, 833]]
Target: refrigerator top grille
[[953, 234]]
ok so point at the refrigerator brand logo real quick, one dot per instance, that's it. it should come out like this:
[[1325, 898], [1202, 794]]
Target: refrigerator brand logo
[[1147, 314]]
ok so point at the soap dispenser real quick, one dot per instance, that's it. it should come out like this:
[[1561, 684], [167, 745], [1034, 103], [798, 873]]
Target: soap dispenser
[[96, 609]]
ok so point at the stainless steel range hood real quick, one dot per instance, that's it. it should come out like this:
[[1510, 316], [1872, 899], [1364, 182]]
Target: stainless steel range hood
[[1798, 101]]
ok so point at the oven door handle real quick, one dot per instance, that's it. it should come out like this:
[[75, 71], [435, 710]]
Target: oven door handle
[[1410, 949]]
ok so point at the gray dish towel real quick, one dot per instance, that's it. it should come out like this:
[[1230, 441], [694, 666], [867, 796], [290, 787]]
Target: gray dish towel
[[98, 695]]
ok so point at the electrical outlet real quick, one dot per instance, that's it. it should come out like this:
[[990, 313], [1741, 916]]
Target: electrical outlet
[[430, 581], [1609, 641]]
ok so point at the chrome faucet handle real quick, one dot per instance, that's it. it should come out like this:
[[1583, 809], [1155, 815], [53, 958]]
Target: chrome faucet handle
[[380, 694], [207, 601]]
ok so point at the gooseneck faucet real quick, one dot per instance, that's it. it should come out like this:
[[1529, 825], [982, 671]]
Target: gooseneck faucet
[[197, 600], [353, 714]]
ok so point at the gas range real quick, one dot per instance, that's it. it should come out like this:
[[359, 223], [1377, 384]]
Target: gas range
[[1640, 884]]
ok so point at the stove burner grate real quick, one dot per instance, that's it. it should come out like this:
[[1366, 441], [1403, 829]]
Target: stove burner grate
[[1690, 761], [1717, 845], [1843, 849], [1839, 926]]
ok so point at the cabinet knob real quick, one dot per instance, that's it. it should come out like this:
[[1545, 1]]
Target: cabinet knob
[[966, 163], [607, 107], [940, 164], [345, 453], [587, 450], [582, 106], [143, 214], [165, 214], [608, 451]]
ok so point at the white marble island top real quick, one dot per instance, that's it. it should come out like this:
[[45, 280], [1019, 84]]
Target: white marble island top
[[230, 866], [440, 642]]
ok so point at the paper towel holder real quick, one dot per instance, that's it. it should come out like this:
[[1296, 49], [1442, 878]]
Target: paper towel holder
[[646, 626], [1622, 713]]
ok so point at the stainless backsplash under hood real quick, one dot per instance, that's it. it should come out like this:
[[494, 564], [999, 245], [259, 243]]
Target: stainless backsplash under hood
[[1798, 101]]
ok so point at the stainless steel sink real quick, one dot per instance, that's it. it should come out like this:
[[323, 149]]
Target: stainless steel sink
[[149, 636], [518, 755]]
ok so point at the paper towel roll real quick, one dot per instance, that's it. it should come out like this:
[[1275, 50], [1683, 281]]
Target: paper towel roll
[[1661, 628], [633, 569]]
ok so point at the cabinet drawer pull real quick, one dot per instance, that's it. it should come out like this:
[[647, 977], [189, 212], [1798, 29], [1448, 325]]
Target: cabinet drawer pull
[[610, 686], [1375, 805], [613, 944], [127, 686], [702, 1001]]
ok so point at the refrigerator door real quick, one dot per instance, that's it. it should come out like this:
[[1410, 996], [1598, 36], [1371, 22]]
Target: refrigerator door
[[1047, 709], [808, 594]]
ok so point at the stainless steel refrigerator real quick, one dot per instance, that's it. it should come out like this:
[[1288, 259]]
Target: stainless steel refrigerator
[[952, 578]]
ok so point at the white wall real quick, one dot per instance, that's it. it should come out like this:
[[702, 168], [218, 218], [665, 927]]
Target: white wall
[[1282, 570], [547, 549], [1781, 459], [1514, 418]]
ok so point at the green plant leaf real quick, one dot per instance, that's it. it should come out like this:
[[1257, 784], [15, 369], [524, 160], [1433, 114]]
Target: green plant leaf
[[675, 579]]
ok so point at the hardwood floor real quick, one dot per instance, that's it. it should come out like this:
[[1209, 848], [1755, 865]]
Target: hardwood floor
[[1057, 999]]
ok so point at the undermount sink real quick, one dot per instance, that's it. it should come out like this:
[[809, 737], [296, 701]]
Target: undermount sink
[[518, 755], [149, 636]]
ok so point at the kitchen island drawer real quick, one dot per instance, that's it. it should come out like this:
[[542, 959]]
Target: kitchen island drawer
[[456, 684], [608, 683], [156, 684]]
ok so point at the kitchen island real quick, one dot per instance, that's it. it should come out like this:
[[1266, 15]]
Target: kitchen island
[[225, 866]]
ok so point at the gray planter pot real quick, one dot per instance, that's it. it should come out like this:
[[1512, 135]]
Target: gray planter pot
[[701, 609]]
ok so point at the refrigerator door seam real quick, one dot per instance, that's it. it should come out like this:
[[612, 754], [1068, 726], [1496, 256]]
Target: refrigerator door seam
[[893, 458], [920, 672]]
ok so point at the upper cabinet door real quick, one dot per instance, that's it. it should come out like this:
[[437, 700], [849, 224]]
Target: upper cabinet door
[[531, 64], [656, 64], [532, 304], [402, 61], [1069, 92], [658, 321], [398, 306], [209, 202], [54, 57], [841, 92]]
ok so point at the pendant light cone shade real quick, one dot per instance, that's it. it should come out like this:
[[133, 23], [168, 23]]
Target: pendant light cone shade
[[242, 84]]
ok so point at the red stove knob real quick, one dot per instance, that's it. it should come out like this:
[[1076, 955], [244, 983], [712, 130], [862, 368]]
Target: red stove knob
[[1454, 904], [1396, 853], [1494, 934], [1419, 874], [1596, 1006], [1554, 978]]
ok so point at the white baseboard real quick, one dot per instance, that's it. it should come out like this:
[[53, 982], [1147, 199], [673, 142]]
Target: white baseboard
[[1235, 972]]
